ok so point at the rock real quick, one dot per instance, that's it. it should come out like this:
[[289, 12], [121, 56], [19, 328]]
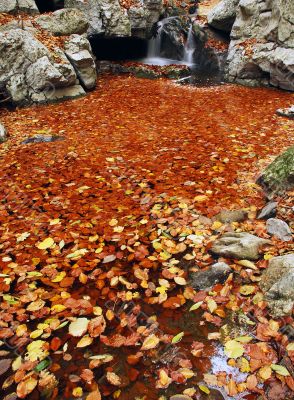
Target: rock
[[42, 139], [228, 216], [2, 133], [30, 72], [78, 50], [280, 229], [110, 18], [278, 177], [138, 21], [277, 282], [103, 16], [64, 22], [223, 15], [266, 29], [268, 211], [14, 6], [286, 112], [242, 246], [217, 273]]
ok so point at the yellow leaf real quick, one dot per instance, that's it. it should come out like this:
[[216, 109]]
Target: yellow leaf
[[247, 264], [180, 281], [59, 277], [37, 350], [290, 347], [85, 341], [200, 198], [178, 338], [196, 306], [244, 339], [265, 372], [46, 244], [244, 365], [54, 221], [77, 392], [211, 305], [204, 389], [247, 289], [150, 342], [279, 369], [234, 349], [36, 333], [113, 222], [58, 308], [216, 225]]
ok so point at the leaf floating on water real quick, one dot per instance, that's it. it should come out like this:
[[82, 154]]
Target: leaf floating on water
[[85, 341], [234, 349], [196, 306], [109, 259], [150, 342], [204, 389], [26, 387], [113, 379], [279, 369], [79, 327], [178, 338]]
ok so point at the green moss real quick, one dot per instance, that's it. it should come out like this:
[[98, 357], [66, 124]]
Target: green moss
[[278, 177]]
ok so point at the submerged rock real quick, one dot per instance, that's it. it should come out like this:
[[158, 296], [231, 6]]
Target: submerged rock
[[242, 246], [42, 139], [228, 216], [2, 133], [223, 15], [217, 273], [278, 284], [280, 229], [278, 177]]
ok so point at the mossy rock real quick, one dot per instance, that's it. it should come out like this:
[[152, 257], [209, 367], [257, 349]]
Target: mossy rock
[[278, 177]]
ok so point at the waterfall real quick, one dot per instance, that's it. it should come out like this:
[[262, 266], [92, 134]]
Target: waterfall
[[154, 45], [189, 47]]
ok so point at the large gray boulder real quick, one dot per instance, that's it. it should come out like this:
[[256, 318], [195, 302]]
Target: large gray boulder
[[242, 246], [110, 18], [30, 72], [262, 46], [64, 22], [15, 6], [103, 16], [278, 284], [223, 15], [78, 50], [278, 177]]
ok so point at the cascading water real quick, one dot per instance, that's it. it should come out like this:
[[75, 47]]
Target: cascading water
[[156, 46], [189, 47]]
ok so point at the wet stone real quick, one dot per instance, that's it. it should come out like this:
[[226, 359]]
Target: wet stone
[[279, 228], [268, 211], [242, 246], [217, 273], [42, 139]]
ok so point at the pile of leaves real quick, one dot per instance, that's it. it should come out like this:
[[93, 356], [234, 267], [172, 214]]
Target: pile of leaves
[[101, 233]]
